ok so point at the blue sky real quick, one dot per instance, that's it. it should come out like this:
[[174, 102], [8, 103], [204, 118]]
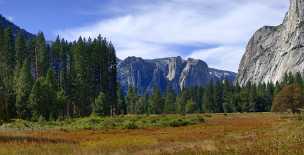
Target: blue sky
[[215, 31]]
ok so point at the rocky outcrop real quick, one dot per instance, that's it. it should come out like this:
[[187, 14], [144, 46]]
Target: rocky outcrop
[[173, 72], [220, 75], [275, 50], [195, 73]]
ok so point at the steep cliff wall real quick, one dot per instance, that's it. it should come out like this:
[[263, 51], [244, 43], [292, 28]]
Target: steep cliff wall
[[274, 51]]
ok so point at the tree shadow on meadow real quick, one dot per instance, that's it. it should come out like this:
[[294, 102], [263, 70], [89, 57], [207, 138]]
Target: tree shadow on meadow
[[29, 139]]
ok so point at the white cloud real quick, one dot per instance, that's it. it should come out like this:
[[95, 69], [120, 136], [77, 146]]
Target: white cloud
[[221, 57], [147, 29], [10, 18]]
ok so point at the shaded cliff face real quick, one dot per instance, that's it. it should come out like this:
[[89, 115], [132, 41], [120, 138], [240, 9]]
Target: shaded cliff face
[[173, 72], [195, 73], [273, 51]]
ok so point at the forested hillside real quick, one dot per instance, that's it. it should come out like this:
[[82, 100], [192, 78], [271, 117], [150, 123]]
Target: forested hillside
[[6, 23], [44, 81]]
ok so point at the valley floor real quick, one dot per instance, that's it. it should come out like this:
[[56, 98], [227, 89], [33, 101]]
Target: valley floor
[[258, 133]]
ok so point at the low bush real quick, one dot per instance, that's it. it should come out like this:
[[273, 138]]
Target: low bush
[[300, 116], [179, 122], [117, 122], [130, 125]]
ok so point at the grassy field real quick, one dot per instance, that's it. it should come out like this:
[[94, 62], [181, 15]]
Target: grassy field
[[245, 134]]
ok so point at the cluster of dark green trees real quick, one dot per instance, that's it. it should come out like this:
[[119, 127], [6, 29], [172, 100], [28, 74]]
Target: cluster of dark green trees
[[55, 80], [217, 97]]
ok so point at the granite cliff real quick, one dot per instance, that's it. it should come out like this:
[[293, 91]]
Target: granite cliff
[[275, 50], [173, 72]]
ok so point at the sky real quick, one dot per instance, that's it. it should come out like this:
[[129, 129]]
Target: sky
[[215, 31]]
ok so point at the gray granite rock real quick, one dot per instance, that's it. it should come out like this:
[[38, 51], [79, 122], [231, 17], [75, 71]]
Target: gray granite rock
[[275, 50], [173, 72]]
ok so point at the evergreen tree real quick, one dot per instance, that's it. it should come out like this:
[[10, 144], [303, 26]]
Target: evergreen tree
[[8, 69], [61, 101], [250, 107], [170, 100], [299, 79], [219, 97], [9, 49], [20, 48], [1, 40], [41, 56], [57, 61], [43, 101], [99, 106], [141, 105], [4, 115], [245, 98], [156, 101], [121, 101], [181, 102], [81, 81], [36, 100], [148, 106], [50, 79], [131, 100], [112, 82], [23, 89], [291, 79], [190, 108], [285, 80], [209, 99]]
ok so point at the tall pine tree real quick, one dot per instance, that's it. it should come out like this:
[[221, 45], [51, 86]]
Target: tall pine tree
[[23, 89]]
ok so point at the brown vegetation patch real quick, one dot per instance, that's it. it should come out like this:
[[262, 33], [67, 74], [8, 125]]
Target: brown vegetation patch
[[263, 133]]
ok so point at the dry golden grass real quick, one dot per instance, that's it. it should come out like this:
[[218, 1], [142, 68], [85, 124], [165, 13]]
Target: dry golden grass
[[260, 133]]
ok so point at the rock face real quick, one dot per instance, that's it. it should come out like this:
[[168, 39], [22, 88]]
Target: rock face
[[275, 50], [171, 72], [6, 23]]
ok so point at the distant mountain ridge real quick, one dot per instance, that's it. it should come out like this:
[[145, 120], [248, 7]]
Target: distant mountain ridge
[[172, 72], [6, 23]]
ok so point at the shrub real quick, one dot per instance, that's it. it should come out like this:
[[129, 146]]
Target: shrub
[[300, 116], [289, 98], [130, 125], [179, 122], [109, 124]]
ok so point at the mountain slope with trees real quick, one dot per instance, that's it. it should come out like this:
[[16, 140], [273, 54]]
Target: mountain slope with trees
[[6, 23], [55, 81]]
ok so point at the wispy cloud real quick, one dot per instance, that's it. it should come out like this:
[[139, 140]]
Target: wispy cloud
[[10, 18], [223, 57], [150, 30]]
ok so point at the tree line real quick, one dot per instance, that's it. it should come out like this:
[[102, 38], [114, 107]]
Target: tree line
[[222, 97], [40, 80]]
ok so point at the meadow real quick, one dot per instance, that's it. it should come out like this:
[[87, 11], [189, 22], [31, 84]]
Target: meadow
[[248, 133]]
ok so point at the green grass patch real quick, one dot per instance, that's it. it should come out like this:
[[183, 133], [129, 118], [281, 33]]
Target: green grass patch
[[116, 122]]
